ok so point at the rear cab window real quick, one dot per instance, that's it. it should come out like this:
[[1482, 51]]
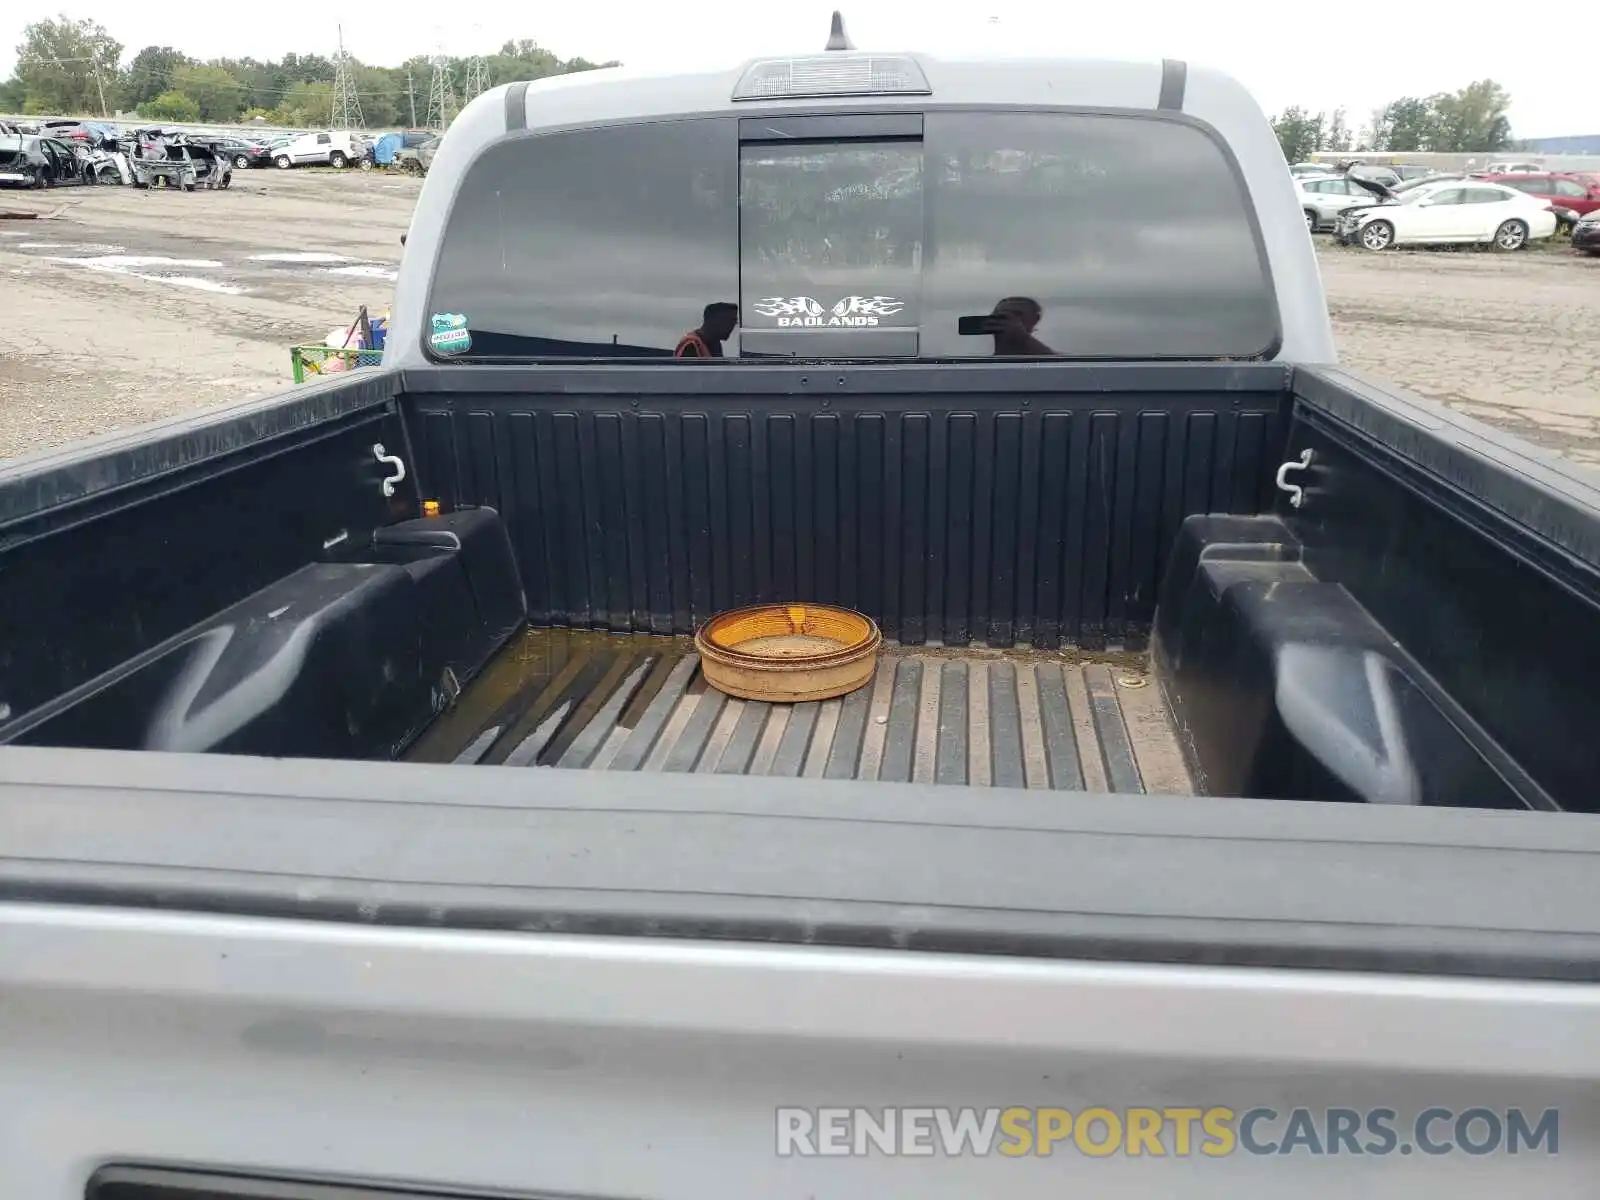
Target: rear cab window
[[938, 234]]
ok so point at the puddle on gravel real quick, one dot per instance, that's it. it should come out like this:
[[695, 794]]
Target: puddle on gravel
[[80, 247], [299, 257], [127, 262], [366, 271], [156, 269], [189, 281]]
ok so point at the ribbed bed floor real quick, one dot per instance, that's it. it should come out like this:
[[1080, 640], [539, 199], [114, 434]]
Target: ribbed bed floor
[[1012, 718]]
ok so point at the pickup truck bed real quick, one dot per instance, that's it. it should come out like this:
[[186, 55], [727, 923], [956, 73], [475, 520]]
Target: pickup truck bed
[[1013, 718], [526, 595]]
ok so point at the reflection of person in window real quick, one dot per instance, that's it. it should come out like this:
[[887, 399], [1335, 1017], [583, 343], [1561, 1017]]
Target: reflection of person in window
[[720, 320], [1014, 319]]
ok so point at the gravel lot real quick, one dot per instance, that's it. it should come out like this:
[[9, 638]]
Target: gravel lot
[[137, 304], [1501, 337], [189, 300]]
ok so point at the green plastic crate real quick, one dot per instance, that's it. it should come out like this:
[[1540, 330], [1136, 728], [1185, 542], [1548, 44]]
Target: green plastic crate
[[313, 361]]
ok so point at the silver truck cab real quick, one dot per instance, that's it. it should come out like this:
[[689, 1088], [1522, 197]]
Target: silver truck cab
[[1144, 206]]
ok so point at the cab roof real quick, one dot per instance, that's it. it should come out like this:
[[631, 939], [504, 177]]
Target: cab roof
[[634, 94]]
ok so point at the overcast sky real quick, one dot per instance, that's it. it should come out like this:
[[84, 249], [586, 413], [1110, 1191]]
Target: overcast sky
[[1285, 53]]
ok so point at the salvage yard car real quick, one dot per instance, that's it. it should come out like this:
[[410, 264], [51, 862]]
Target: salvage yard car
[[1451, 211], [1324, 197], [320, 149], [1586, 233], [369, 829], [1570, 195], [69, 130], [35, 161], [241, 153], [170, 158], [418, 156]]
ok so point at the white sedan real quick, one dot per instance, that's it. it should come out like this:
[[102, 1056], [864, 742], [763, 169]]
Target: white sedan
[[1463, 210]]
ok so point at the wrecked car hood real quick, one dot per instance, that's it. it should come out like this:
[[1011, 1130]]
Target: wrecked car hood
[[1380, 190]]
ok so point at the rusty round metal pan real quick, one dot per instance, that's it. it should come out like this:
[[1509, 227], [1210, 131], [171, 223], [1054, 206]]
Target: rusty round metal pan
[[788, 653]]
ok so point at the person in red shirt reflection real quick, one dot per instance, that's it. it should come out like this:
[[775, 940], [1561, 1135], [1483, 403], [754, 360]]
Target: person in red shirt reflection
[[720, 320]]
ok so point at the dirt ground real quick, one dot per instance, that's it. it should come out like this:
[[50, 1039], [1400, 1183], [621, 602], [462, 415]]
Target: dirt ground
[[1501, 337], [132, 305]]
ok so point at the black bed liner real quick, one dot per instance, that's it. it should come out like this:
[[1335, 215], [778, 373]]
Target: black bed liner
[[1002, 718]]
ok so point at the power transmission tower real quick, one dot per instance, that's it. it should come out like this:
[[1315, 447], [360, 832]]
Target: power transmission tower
[[441, 95], [346, 103], [475, 73], [476, 78]]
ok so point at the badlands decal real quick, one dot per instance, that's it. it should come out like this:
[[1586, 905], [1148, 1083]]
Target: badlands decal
[[805, 312]]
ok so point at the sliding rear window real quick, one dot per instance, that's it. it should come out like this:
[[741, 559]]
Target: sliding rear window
[[979, 233], [830, 248]]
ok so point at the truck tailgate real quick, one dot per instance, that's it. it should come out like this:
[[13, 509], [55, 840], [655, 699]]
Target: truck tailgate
[[508, 983]]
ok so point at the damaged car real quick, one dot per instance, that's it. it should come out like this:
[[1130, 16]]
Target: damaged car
[[1441, 213], [1324, 197], [107, 165], [33, 161], [165, 158], [418, 157]]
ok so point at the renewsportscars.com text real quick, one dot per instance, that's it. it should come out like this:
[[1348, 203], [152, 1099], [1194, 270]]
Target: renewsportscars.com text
[[1212, 1132]]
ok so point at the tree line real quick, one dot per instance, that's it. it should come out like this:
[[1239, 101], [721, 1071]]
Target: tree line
[[1472, 120], [74, 67]]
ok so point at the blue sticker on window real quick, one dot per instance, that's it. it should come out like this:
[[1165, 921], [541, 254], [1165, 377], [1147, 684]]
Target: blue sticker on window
[[450, 334]]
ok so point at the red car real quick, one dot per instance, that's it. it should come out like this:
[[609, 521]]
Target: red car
[[1575, 193]]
